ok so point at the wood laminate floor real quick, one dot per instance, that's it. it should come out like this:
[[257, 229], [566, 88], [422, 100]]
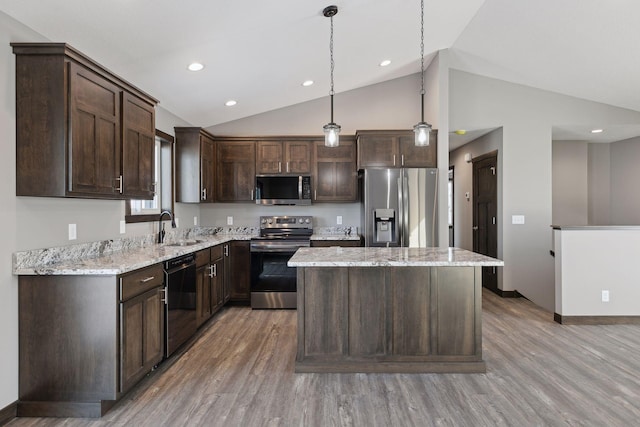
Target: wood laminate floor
[[539, 373]]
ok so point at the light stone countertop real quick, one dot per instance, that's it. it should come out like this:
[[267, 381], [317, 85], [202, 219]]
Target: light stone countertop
[[390, 257], [123, 261]]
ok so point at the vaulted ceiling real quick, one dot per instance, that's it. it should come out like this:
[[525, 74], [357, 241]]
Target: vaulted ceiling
[[258, 52]]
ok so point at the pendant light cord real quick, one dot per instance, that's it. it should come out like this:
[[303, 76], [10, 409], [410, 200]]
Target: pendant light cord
[[421, 55], [331, 92]]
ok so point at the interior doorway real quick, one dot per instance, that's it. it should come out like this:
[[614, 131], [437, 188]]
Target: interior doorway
[[485, 213]]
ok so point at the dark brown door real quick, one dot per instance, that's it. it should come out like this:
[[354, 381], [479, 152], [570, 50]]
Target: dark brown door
[[418, 157], [240, 271], [95, 134], [138, 147], [269, 157], [236, 171], [207, 162], [217, 285], [335, 172], [377, 151], [485, 213], [297, 156]]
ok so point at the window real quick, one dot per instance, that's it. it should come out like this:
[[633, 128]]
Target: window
[[149, 210]]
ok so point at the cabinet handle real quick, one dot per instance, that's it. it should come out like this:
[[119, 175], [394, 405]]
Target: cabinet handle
[[119, 187], [288, 167], [204, 194], [474, 228], [315, 194], [402, 159], [394, 160], [148, 279], [154, 186], [215, 270], [279, 167], [251, 194], [212, 271], [226, 250], [163, 298]]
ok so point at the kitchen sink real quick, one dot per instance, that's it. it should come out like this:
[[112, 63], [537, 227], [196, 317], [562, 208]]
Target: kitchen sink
[[185, 243]]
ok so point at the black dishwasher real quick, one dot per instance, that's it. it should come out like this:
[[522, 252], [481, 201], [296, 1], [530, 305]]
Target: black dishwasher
[[180, 319]]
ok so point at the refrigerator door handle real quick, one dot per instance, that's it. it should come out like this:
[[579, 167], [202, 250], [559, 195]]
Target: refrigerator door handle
[[400, 219], [405, 209]]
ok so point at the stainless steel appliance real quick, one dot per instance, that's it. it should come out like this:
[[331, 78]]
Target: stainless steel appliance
[[399, 207], [283, 190], [273, 283], [180, 315]]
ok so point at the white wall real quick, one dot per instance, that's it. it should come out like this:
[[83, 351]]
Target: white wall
[[599, 184], [570, 190], [586, 265], [625, 176], [526, 116]]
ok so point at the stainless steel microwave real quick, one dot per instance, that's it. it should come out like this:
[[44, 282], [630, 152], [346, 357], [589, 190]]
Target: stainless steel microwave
[[283, 190]]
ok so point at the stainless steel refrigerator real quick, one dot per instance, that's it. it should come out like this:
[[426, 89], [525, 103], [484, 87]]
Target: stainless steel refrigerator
[[399, 207]]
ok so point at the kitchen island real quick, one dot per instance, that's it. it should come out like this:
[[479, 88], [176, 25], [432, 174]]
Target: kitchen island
[[392, 310]]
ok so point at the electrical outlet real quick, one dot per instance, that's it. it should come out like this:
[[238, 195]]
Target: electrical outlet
[[229, 220], [72, 232], [177, 221], [339, 219], [195, 220], [605, 296], [517, 219], [123, 227]]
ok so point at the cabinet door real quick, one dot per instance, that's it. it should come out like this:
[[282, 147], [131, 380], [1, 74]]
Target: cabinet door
[[203, 295], [239, 272], [207, 162], [335, 174], [418, 157], [236, 171], [269, 157], [138, 148], [94, 148], [217, 285], [377, 151], [297, 157], [141, 339]]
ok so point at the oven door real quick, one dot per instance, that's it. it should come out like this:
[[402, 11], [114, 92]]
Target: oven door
[[273, 283]]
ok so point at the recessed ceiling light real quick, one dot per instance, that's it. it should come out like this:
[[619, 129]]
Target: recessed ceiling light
[[307, 83], [596, 131], [385, 63], [230, 103], [195, 66]]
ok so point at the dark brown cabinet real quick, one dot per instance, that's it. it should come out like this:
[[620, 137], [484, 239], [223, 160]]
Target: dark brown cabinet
[[210, 279], [286, 157], [236, 170], [86, 340], [340, 243], [237, 266], [81, 131], [335, 177], [395, 149], [138, 148], [195, 165]]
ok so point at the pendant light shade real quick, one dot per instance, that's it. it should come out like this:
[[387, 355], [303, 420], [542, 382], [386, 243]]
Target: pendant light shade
[[331, 130], [422, 129]]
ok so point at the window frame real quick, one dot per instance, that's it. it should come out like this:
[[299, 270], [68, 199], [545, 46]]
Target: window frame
[[169, 205]]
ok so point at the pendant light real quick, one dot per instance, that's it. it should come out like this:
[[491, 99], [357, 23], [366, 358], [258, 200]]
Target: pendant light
[[423, 128], [331, 130]]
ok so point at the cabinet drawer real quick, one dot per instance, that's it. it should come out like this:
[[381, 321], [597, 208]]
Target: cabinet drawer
[[203, 257], [329, 243], [216, 252], [139, 281]]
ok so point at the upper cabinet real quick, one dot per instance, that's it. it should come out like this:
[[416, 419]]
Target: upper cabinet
[[395, 149], [235, 170], [283, 157], [195, 165], [81, 131], [335, 176]]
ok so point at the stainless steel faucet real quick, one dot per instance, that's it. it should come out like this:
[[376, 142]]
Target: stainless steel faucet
[[161, 225]]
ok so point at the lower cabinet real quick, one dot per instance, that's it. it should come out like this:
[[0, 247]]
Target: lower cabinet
[[341, 243], [210, 280], [237, 264], [86, 340]]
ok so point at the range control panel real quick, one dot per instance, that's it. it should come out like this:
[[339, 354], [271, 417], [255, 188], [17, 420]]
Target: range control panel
[[286, 221]]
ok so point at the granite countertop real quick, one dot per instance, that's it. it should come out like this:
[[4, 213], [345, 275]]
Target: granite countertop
[[390, 257], [95, 263], [596, 227]]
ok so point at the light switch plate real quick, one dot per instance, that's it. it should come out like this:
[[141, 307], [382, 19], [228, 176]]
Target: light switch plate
[[72, 232], [195, 220], [229, 220], [517, 219], [123, 227], [339, 219], [177, 222]]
